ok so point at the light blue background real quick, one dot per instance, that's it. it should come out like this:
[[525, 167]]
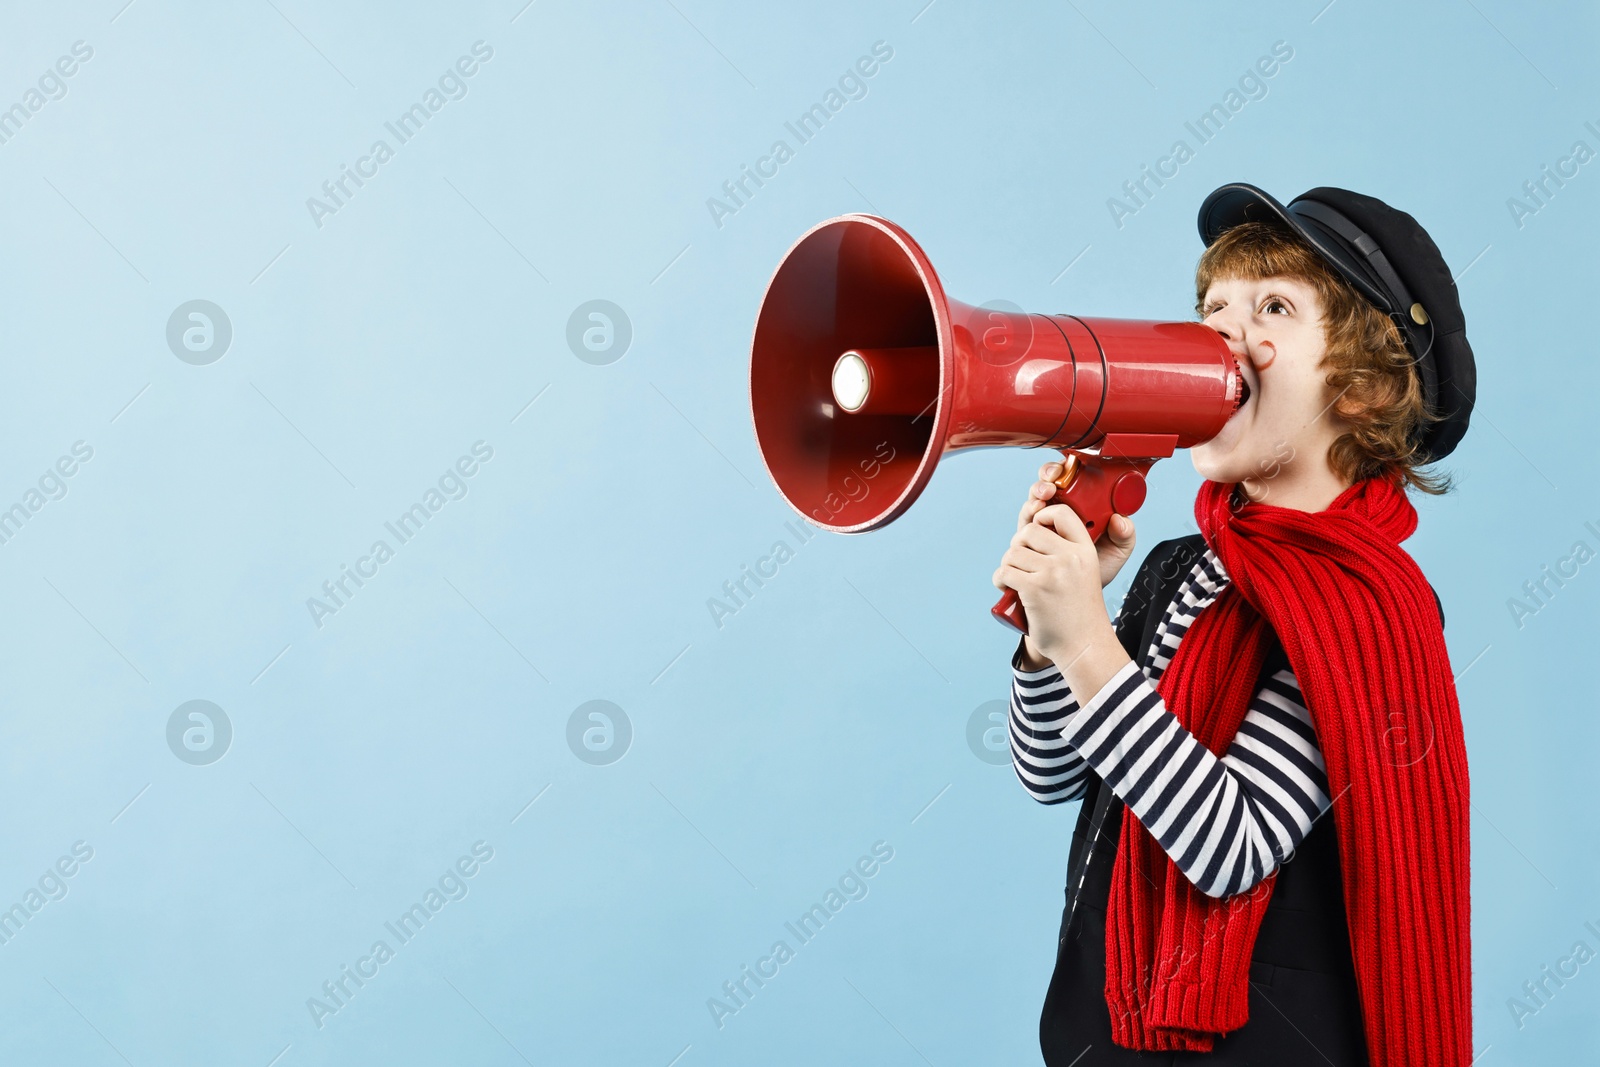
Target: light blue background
[[770, 753]]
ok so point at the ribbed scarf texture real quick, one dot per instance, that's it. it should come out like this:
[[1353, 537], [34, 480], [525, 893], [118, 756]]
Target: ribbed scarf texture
[[1362, 632]]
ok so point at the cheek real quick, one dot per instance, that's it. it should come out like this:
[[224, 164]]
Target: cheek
[[1307, 393], [1283, 414], [1295, 377]]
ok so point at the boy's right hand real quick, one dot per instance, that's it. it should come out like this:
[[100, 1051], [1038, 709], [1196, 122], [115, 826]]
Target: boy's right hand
[[1114, 548]]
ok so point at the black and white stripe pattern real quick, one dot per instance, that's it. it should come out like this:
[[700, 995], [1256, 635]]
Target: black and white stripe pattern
[[1227, 823]]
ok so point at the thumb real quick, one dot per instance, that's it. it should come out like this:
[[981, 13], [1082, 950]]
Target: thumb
[[1120, 530]]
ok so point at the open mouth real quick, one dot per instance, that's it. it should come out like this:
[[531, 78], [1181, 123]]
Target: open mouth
[[1243, 396]]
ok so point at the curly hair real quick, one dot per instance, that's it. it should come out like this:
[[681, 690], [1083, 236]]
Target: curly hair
[[1380, 396]]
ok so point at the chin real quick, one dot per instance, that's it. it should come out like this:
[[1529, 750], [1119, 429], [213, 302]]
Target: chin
[[1237, 463], [1226, 468]]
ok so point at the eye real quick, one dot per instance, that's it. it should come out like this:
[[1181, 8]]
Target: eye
[[1274, 302]]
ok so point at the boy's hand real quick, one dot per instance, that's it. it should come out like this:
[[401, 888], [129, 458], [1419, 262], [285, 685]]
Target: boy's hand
[[1114, 549], [1054, 567]]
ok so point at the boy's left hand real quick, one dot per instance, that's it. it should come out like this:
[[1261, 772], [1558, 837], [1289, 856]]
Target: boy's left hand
[[1054, 566]]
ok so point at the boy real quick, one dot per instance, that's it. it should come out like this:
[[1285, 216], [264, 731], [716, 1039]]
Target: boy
[[1317, 682]]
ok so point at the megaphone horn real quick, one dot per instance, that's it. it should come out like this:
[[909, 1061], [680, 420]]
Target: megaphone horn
[[860, 363]]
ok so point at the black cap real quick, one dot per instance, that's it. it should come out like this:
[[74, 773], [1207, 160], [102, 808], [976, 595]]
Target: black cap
[[1389, 259]]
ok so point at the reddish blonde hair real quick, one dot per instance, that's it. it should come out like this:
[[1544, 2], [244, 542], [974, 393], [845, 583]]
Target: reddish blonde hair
[[1380, 396]]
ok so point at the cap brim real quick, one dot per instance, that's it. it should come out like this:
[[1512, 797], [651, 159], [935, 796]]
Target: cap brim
[[1237, 202]]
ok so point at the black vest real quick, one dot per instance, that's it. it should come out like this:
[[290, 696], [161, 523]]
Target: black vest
[[1305, 926]]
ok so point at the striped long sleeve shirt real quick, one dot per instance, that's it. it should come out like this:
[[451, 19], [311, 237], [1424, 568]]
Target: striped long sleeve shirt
[[1226, 822]]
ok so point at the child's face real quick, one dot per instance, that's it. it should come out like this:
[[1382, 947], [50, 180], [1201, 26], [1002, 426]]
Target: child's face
[[1274, 327]]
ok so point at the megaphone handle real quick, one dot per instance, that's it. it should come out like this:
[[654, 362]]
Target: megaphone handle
[[1096, 487]]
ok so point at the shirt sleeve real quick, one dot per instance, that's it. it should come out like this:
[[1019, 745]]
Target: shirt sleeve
[[1226, 822], [1045, 762]]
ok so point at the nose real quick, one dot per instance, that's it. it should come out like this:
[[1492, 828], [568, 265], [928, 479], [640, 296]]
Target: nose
[[1230, 331], [1224, 323]]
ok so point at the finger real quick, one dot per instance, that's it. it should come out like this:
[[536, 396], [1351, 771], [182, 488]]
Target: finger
[[1040, 538], [1013, 579], [1006, 577], [1039, 496], [1049, 472], [1065, 522], [1023, 558], [1120, 530]]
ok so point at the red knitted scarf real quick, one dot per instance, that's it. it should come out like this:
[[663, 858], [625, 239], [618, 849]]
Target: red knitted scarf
[[1363, 635]]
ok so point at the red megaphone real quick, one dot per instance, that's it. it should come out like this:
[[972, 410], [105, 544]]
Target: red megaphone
[[863, 374]]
